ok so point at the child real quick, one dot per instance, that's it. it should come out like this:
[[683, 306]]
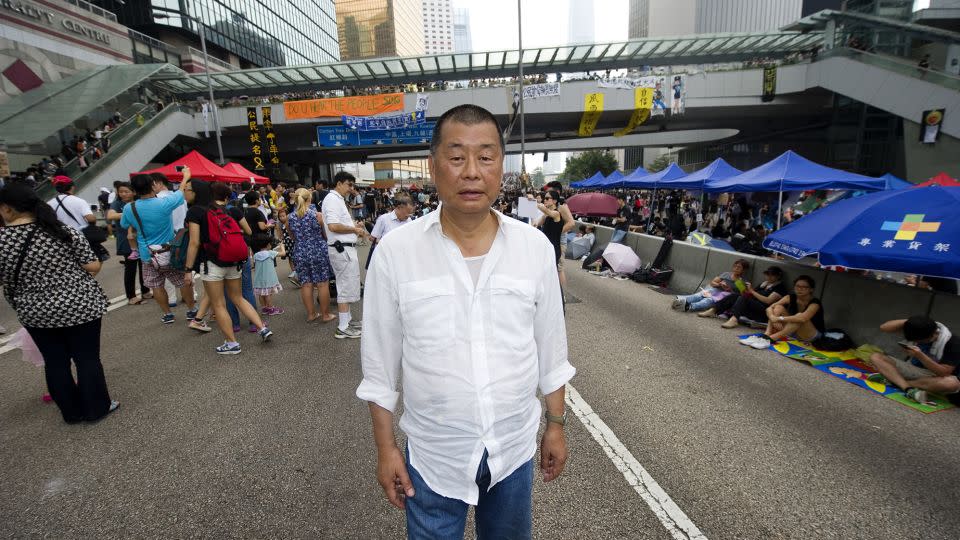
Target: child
[[265, 280]]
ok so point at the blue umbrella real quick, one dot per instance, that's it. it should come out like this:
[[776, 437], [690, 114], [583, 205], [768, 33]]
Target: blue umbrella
[[701, 239], [915, 231]]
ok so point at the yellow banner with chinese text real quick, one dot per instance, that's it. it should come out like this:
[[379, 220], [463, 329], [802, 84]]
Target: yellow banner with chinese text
[[642, 103], [592, 109]]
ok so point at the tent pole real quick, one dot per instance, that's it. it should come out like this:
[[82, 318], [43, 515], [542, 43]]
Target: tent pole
[[653, 202], [779, 208]]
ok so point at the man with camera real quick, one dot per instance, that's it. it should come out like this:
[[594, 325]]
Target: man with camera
[[342, 236]]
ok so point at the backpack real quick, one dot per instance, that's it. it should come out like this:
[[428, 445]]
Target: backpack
[[178, 250], [225, 245], [834, 340]]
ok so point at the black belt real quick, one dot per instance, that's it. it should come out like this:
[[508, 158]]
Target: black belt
[[351, 244]]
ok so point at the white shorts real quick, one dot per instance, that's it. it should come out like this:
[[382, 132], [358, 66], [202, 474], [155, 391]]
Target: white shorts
[[213, 272], [346, 268]]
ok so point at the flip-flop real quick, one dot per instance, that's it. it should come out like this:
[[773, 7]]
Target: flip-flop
[[314, 319], [134, 301], [148, 296], [332, 318]]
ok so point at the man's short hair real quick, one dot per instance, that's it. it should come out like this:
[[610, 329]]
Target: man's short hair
[[402, 198], [251, 198], [343, 176], [246, 185], [142, 184], [919, 327], [555, 185], [467, 114], [159, 177]]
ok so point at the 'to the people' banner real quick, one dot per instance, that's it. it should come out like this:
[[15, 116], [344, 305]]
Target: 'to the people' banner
[[256, 143], [336, 107], [592, 109]]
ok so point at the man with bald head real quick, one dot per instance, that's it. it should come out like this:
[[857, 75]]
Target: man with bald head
[[465, 302]]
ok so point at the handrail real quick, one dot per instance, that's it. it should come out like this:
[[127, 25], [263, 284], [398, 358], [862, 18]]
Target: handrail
[[893, 63], [73, 166], [96, 10]]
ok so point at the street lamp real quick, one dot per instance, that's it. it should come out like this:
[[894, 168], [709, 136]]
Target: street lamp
[[206, 68], [523, 131]]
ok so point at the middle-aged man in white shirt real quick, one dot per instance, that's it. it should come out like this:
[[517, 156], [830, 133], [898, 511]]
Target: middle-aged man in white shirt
[[467, 303], [399, 216], [342, 235]]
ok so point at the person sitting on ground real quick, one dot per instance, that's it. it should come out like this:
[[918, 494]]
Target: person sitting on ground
[[751, 303], [798, 315], [932, 359], [725, 284]]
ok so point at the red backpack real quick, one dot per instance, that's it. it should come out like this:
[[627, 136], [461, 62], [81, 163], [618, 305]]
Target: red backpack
[[225, 244]]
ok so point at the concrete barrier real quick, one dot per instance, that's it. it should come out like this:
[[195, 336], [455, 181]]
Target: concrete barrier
[[603, 235], [720, 261], [689, 265], [647, 246]]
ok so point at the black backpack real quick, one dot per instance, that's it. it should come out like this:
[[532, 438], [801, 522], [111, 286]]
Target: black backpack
[[834, 344]]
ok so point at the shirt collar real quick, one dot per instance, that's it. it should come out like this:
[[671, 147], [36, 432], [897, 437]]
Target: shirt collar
[[433, 218]]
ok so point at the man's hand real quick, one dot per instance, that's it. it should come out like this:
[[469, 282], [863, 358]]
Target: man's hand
[[361, 231], [553, 451], [393, 477], [186, 174]]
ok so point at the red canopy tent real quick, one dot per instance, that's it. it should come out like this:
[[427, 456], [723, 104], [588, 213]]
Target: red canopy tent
[[201, 168], [940, 180], [414, 187], [240, 170]]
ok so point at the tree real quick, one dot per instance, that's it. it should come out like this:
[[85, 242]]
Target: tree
[[537, 178], [587, 164], [660, 163]]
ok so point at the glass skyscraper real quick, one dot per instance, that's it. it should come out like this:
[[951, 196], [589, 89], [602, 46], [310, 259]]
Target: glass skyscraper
[[380, 28], [247, 33]]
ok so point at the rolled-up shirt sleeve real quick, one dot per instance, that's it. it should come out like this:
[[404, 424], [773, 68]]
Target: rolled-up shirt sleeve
[[381, 344], [549, 329]]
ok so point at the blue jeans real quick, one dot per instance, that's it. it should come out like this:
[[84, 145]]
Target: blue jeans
[[246, 286], [505, 512], [618, 236], [698, 302]]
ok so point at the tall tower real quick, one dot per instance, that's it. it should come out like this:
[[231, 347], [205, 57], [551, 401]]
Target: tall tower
[[462, 41], [438, 30], [379, 28], [580, 22]]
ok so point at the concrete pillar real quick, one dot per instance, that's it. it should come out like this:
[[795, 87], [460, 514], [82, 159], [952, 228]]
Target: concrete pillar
[[830, 35]]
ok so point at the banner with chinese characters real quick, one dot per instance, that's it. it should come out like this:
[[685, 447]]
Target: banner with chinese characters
[[256, 142], [656, 82], [592, 109], [642, 103], [769, 83], [535, 91], [273, 151], [392, 121], [353, 106], [930, 125]]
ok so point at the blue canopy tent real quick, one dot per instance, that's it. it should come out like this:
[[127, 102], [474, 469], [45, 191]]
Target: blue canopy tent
[[718, 169], [893, 182], [589, 182], [792, 172], [652, 180], [904, 230], [611, 181]]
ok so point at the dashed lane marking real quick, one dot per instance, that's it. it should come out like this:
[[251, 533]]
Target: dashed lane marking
[[670, 515]]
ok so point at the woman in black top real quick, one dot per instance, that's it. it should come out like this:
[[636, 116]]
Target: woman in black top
[[751, 303], [47, 270], [799, 315], [552, 222]]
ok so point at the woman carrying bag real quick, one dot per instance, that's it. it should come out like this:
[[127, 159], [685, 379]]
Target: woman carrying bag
[[47, 274]]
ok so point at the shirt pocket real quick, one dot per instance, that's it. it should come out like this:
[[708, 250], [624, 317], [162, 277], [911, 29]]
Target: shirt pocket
[[427, 313], [513, 305]]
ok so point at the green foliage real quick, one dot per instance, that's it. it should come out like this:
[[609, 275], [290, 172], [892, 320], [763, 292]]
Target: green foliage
[[661, 163], [587, 163], [537, 179]]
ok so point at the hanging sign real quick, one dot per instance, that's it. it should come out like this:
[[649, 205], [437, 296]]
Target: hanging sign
[[256, 142], [930, 125], [336, 136], [353, 106], [273, 151], [642, 103], [678, 97], [769, 83], [423, 101], [393, 121], [535, 91], [592, 109]]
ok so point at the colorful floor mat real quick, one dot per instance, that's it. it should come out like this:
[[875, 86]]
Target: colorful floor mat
[[844, 365]]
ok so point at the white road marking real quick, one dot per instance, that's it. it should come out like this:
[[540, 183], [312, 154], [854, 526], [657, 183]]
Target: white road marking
[[670, 515], [115, 303]]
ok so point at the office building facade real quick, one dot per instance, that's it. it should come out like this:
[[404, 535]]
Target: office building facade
[[379, 28], [462, 38], [241, 33], [438, 31]]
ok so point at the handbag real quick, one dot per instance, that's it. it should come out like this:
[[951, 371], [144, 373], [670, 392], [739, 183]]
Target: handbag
[[159, 253], [94, 233], [15, 282]]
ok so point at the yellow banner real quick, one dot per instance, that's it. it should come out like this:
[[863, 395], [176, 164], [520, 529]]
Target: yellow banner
[[592, 108], [351, 106], [642, 103]]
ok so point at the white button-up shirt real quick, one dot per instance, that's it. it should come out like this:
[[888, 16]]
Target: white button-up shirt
[[472, 356], [386, 223], [334, 210]]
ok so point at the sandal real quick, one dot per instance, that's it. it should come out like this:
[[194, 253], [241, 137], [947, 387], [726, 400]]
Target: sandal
[[134, 301], [147, 296], [332, 318]]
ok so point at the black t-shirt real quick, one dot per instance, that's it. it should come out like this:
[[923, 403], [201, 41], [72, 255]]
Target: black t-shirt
[[254, 218], [951, 354], [318, 197], [778, 288], [817, 320], [370, 202], [198, 215], [624, 214]]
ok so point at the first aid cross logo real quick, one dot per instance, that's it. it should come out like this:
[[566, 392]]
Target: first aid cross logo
[[910, 226]]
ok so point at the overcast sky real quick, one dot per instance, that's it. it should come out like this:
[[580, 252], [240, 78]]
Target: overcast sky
[[493, 23]]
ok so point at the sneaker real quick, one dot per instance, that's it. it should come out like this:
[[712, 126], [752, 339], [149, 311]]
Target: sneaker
[[227, 349], [760, 343], [265, 334], [356, 325], [236, 328], [191, 314], [679, 304], [168, 318], [276, 311], [918, 395], [253, 329], [265, 311], [349, 333], [748, 340], [878, 378], [709, 312], [172, 304], [199, 325]]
